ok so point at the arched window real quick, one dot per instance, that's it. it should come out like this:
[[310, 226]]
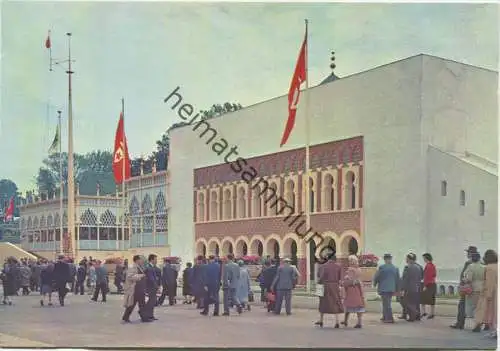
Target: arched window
[[350, 190], [227, 205], [481, 207], [147, 211], [201, 207], [242, 200], [256, 203], [107, 229], [329, 193], [213, 206], [312, 199], [161, 213], [290, 195], [444, 188]]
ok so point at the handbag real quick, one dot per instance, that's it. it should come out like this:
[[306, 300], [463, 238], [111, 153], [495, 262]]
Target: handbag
[[320, 290], [465, 289]]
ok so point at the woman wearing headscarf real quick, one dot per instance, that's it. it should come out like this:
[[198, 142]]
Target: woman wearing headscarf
[[474, 279], [330, 276], [243, 290], [486, 312], [9, 280], [354, 301]]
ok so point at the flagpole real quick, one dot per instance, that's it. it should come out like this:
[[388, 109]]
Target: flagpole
[[125, 151], [61, 186], [71, 180], [308, 165]]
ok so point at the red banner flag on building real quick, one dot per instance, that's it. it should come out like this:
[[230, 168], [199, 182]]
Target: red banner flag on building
[[121, 159], [299, 76], [47, 41], [9, 212]]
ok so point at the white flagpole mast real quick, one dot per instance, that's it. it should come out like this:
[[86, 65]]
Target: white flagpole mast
[[308, 164], [61, 187], [124, 204], [71, 180]]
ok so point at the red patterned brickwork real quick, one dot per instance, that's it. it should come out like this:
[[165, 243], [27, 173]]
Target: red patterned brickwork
[[322, 155]]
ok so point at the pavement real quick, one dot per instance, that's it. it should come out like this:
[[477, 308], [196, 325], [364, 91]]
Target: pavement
[[88, 324]]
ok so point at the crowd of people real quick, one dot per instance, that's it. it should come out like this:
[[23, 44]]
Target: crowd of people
[[340, 287]]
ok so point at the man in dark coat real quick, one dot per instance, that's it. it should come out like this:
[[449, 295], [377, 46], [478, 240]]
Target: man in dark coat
[[268, 276], [404, 309], [460, 322], [169, 284], [119, 277], [198, 291], [81, 273], [211, 286], [151, 287], [410, 284], [62, 276]]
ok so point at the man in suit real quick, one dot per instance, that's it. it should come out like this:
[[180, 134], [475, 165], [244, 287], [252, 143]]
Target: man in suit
[[211, 285], [404, 310], [460, 322], [386, 280], [412, 277], [151, 287], [198, 290], [62, 276], [283, 284], [101, 282], [136, 278], [169, 284], [230, 278]]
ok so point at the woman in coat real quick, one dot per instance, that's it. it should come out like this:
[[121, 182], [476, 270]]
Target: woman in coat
[[486, 312], [354, 301], [428, 294], [9, 280], [243, 289], [473, 277], [187, 281], [133, 276], [330, 276], [25, 272]]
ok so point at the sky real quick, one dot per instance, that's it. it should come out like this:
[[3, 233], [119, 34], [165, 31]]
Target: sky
[[215, 52]]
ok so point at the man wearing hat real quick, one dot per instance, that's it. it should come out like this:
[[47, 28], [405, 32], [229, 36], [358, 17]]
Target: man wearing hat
[[386, 280], [460, 323]]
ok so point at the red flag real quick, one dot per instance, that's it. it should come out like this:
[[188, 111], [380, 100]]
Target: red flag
[[47, 41], [120, 154], [299, 76], [9, 212]]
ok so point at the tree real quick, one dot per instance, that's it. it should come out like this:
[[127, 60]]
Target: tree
[[88, 169]]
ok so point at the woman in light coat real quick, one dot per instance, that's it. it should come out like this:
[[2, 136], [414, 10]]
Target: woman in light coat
[[131, 279], [486, 312], [473, 276], [243, 290], [354, 301]]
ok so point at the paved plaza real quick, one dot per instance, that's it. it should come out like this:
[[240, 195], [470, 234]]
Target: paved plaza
[[84, 324]]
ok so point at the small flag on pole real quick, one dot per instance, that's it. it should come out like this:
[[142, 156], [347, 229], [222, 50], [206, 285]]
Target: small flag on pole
[[54, 148], [9, 212], [299, 76], [47, 41]]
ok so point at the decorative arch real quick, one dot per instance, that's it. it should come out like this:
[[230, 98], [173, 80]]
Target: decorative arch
[[147, 206], [242, 202], [273, 245], [242, 246], [328, 238], [30, 223], [65, 218], [227, 245], [35, 223], [201, 247], [134, 206], [256, 245], [271, 204], [290, 190], [329, 198], [213, 246], [214, 205], [288, 241], [43, 222], [57, 220], [227, 205], [160, 203], [201, 206], [256, 202], [50, 221], [88, 218], [345, 242], [108, 219], [312, 192]]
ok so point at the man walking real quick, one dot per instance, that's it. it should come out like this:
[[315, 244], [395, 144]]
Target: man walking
[[169, 284], [134, 290], [101, 283], [460, 322], [412, 276], [151, 287], [386, 280], [62, 276], [81, 273], [211, 285], [230, 278], [283, 284]]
